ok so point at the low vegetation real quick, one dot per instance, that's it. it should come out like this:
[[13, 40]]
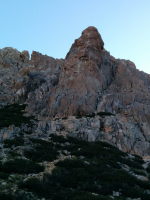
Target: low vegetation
[[88, 171], [42, 151], [20, 166], [17, 141], [13, 114]]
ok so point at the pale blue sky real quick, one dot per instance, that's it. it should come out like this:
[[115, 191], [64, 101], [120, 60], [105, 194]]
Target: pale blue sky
[[51, 26]]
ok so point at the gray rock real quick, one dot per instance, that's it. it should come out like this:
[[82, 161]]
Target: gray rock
[[89, 94]]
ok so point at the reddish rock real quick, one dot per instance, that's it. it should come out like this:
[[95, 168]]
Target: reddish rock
[[83, 77], [109, 96]]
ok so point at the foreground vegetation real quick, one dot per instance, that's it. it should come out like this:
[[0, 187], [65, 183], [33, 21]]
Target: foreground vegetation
[[65, 168], [13, 115], [81, 171]]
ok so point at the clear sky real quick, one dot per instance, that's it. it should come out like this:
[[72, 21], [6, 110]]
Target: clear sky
[[51, 26]]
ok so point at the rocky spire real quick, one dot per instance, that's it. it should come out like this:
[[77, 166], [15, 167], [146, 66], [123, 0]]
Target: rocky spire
[[90, 41], [83, 77]]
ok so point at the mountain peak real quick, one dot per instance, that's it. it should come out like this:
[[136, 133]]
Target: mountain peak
[[90, 40], [89, 94], [91, 34]]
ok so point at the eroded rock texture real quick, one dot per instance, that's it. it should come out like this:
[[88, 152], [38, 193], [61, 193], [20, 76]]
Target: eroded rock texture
[[89, 94], [84, 76]]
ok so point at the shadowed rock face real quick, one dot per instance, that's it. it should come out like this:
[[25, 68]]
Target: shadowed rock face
[[111, 97]]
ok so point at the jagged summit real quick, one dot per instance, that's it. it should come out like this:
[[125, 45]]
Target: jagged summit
[[100, 97], [57, 117], [82, 78], [90, 40]]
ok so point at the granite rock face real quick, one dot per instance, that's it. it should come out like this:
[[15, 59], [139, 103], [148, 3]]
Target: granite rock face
[[89, 94]]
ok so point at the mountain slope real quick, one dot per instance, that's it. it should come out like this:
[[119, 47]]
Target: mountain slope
[[66, 168], [89, 94], [70, 128]]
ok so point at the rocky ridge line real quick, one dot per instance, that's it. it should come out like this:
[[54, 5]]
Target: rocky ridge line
[[89, 94]]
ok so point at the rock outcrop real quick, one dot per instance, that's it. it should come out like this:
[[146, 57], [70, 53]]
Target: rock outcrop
[[84, 76], [89, 94]]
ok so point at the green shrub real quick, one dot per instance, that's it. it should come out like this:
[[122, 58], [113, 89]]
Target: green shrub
[[21, 166], [3, 175], [42, 151], [4, 196], [71, 163], [96, 168], [44, 189], [84, 196], [13, 154], [138, 159], [59, 139], [105, 114], [134, 192], [32, 184], [17, 195], [133, 163], [17, 141], [139, 171], [13, 114], [148, 168]]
